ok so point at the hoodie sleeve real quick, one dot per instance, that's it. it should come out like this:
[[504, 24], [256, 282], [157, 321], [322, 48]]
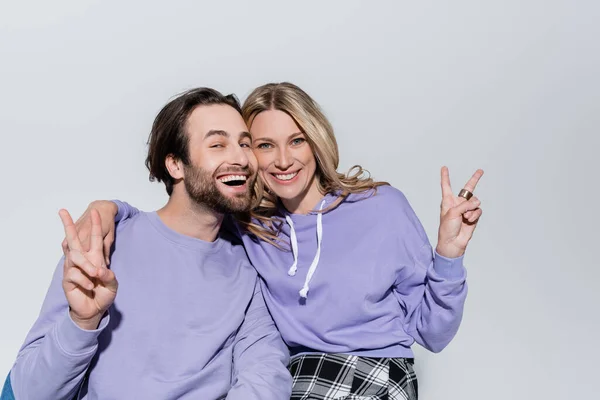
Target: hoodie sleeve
[[431, 289], [260, 357], [54, 358]]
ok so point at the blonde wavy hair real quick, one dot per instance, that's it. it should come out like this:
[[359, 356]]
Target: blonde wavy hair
[[307, 114]]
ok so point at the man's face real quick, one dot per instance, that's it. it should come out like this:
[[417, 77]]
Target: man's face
[[222, 168]]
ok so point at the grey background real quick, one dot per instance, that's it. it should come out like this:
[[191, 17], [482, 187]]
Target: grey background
[[508, 86]]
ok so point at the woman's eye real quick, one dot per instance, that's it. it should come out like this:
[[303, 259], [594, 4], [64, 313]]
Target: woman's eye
[[264, 146], [298, 141]]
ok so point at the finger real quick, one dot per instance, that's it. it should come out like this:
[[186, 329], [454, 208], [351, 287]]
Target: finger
[[467, 230], [475, 216], [79, 260], [78, 278], [65, 247], [467, 206], [96, 236], [108, 241], [66, 264], [472, 183], [84, 226], [468, 214], [446, 188], [108, 279], [70, 231]]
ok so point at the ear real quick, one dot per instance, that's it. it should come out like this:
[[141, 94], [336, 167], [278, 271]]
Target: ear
[[174, 166]]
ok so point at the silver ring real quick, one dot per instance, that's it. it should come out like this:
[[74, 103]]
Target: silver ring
[[464, 193]]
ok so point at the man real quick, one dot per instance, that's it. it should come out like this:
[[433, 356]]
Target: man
[[186, 319]]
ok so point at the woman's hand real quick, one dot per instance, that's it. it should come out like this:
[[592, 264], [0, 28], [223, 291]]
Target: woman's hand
[[458, 217]]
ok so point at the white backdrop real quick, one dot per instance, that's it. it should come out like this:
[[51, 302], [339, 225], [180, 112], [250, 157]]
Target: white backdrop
[[509, 86]]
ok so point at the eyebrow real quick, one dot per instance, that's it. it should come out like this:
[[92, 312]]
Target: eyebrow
[[267, 139], [245, 135], [214, 132], [219, 132]]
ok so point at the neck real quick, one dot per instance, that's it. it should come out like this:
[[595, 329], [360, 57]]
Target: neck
[[189, 218], [306, 201]]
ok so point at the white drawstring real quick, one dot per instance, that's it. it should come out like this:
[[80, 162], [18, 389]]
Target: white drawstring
[[313, 266], [294, 267]]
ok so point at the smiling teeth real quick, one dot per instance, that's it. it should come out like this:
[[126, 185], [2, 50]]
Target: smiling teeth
[[230, 178], [286, 177]]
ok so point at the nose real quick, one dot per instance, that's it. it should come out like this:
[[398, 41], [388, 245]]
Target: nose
[[239, 157], [284, 159]]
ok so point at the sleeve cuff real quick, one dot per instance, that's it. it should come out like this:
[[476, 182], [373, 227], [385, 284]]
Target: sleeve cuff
[[76, 341], [449, 268]]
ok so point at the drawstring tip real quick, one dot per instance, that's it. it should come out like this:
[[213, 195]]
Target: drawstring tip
[[292, 271], [303, 292]]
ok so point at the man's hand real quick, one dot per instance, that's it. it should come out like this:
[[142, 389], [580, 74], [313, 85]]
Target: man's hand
[[90, 287], [107, 210]]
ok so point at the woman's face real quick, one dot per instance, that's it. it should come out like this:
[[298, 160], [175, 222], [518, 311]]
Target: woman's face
[[286, 162]]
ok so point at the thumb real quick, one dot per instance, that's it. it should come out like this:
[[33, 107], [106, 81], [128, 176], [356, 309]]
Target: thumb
[[465, 206], [108, 279]]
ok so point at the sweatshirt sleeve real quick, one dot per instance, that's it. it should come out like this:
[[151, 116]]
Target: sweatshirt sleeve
[[125, 211], [260, 357], [431, 289], [56, 353]]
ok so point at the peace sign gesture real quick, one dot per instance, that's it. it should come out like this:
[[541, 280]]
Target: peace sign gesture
[[458, 217], [89, 286]]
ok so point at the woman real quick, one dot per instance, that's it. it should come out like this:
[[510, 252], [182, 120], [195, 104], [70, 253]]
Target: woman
[[349, 275]]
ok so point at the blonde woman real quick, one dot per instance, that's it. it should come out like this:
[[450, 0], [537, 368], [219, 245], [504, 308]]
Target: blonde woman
[[349, 276]]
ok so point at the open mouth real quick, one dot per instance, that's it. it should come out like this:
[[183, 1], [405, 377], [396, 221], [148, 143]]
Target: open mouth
[[286, 177], [233, 180]]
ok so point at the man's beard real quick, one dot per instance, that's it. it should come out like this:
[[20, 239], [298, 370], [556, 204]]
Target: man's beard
[[202, 188]]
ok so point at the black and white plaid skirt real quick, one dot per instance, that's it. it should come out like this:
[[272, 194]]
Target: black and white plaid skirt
[[346, 377]]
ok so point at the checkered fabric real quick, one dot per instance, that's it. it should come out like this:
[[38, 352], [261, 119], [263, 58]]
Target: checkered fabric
[[347, 377]]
